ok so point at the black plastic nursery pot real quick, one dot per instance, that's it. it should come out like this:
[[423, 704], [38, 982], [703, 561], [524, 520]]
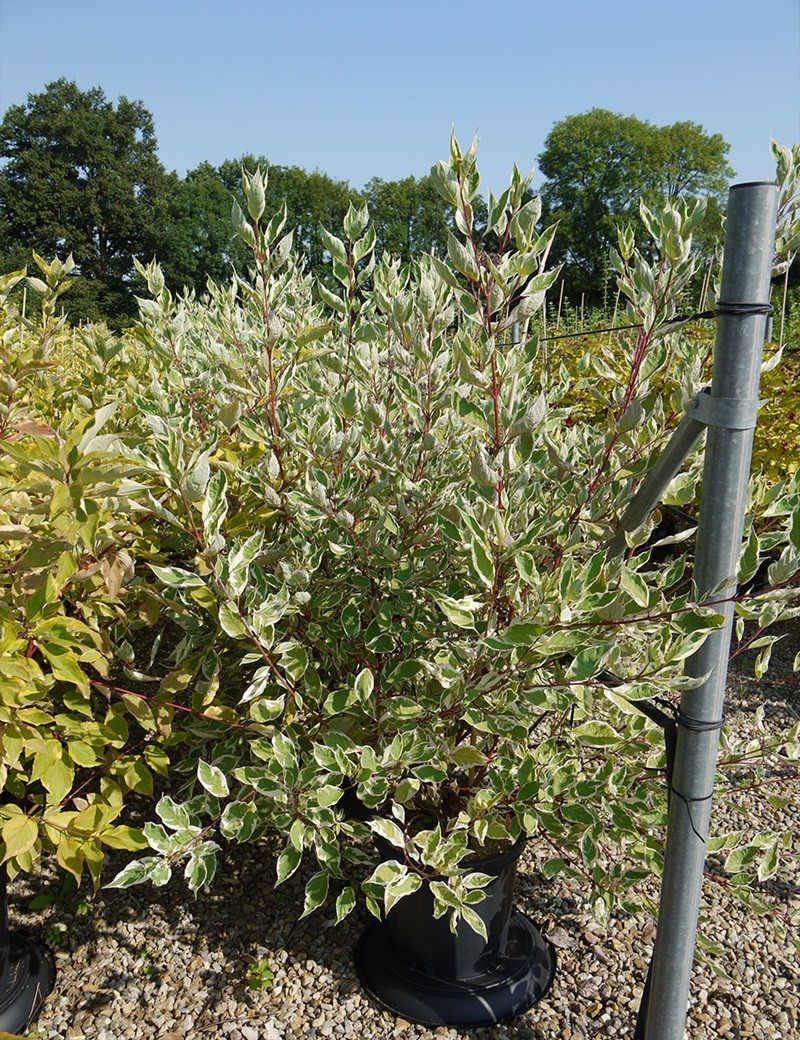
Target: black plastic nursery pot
[[26, 973], [414, 966]]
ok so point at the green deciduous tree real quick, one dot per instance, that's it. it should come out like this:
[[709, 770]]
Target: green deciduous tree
[[81, 176], [201, 241], [600, 164], [312, 200], [409, 215]]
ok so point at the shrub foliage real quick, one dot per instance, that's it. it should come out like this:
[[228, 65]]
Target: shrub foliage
[[320, 539]]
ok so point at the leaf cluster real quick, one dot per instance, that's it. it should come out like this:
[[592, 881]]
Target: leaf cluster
[[67, 550]]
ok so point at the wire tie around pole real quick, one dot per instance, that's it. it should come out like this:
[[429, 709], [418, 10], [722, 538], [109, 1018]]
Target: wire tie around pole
[[695, 726], [743, 310], [698, 725], [670, 728], [737, 309], [687, 801]]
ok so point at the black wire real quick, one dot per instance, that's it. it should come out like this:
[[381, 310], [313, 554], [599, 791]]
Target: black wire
[[591, 332], [679, 319], [739, 309], [670, 729], [687, 801], [697, 725]]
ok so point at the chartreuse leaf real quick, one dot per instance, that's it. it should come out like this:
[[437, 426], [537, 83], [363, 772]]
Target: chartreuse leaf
[[82, 754], [49, 754], [19, 834], [134, 774], [120, 836], [65, 665], [47, 592], [467, 757], [58, 780], [312, 332]]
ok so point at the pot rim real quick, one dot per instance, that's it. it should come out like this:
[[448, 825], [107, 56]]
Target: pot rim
[[491, 864], [495, 862]]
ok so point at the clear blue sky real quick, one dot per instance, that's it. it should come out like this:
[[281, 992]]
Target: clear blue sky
[[362, 88]]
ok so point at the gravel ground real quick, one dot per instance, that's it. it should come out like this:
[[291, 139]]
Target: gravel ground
[[156, 963]]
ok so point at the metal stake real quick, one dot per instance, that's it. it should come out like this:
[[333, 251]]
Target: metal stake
[[747, 265]]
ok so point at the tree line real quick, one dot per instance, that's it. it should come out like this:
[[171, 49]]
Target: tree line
[[81, 175]]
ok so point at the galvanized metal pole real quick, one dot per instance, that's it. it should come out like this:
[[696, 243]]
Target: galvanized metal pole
[[730, 417]]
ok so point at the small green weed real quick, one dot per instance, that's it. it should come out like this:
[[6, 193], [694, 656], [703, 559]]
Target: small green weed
[[145, 964], [260, 976], [64, 898], [54, 936]]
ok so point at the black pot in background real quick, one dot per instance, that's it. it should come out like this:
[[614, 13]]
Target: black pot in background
[[26, 974], [351, 806], [412, 964]]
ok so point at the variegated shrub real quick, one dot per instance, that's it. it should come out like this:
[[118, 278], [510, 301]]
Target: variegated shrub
[[387, 553]]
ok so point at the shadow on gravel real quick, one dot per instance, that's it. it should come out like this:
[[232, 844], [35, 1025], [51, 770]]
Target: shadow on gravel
[[153, 939]]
